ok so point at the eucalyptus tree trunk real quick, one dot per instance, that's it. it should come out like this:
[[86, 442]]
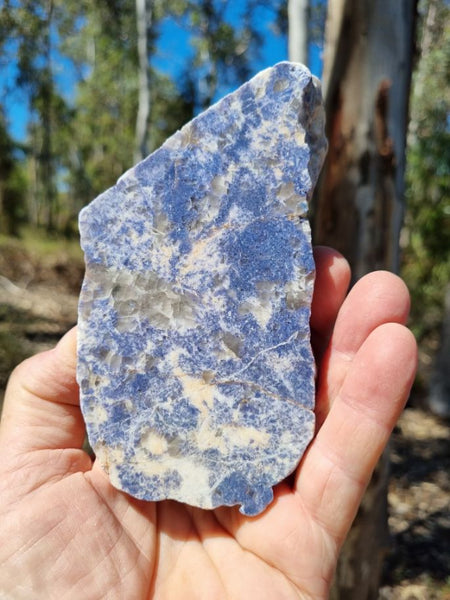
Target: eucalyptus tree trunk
[[143, 23], [210, 16], [367, 74], [439, 397], [47, 154], [298, 23], [358, 207]]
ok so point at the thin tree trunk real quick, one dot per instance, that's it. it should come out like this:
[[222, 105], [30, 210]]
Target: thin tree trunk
[[426, 45], [211, 17], [359, 206], [298, 21], [32, 196], [439, 397], [4, 225], [47, 159], [143, 23]]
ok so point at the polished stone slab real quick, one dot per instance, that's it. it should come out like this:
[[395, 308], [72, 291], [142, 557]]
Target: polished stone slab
[[194, 358]]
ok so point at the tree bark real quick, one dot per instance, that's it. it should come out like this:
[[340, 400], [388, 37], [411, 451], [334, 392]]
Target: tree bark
[[298, 17], [367, 72], [143, 22], [358, 207], [47, 158], [211, 15]]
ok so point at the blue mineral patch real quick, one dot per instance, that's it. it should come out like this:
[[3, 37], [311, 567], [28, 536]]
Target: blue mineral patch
[[194, 356]]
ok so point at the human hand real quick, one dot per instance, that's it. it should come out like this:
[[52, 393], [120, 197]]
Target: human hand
[[66, 533]]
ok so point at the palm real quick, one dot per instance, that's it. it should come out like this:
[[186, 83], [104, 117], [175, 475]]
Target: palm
[[66, 533]]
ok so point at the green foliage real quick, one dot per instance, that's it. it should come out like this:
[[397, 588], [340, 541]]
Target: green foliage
[[426, 266], [223, 53], [103, 126], [32, 26], [79, 146], [317, 18], [79, 143], [13, 183]]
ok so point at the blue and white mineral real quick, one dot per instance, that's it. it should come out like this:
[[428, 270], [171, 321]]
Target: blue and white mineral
[[194, 356]]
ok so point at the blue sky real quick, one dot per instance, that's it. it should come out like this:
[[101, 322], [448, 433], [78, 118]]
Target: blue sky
[[174, 47]]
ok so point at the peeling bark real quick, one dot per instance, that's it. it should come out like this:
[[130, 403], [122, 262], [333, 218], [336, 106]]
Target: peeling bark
[[367, 71]]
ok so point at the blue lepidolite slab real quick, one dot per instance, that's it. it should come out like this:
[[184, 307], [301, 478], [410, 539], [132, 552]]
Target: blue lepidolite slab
[[195, 365]]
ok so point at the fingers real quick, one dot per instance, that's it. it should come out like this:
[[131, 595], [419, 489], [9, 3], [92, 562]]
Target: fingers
[[332, 280], [378, 298], [339, 463], [41, 409]]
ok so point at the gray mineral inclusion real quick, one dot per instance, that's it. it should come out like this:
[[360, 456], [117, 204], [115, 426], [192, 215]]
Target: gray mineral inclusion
[[194, 357]]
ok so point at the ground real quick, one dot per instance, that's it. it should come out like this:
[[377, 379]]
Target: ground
[[39, 285], [418, 563]]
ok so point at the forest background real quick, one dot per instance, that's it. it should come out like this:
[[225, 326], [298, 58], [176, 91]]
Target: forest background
[[89, 87]]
